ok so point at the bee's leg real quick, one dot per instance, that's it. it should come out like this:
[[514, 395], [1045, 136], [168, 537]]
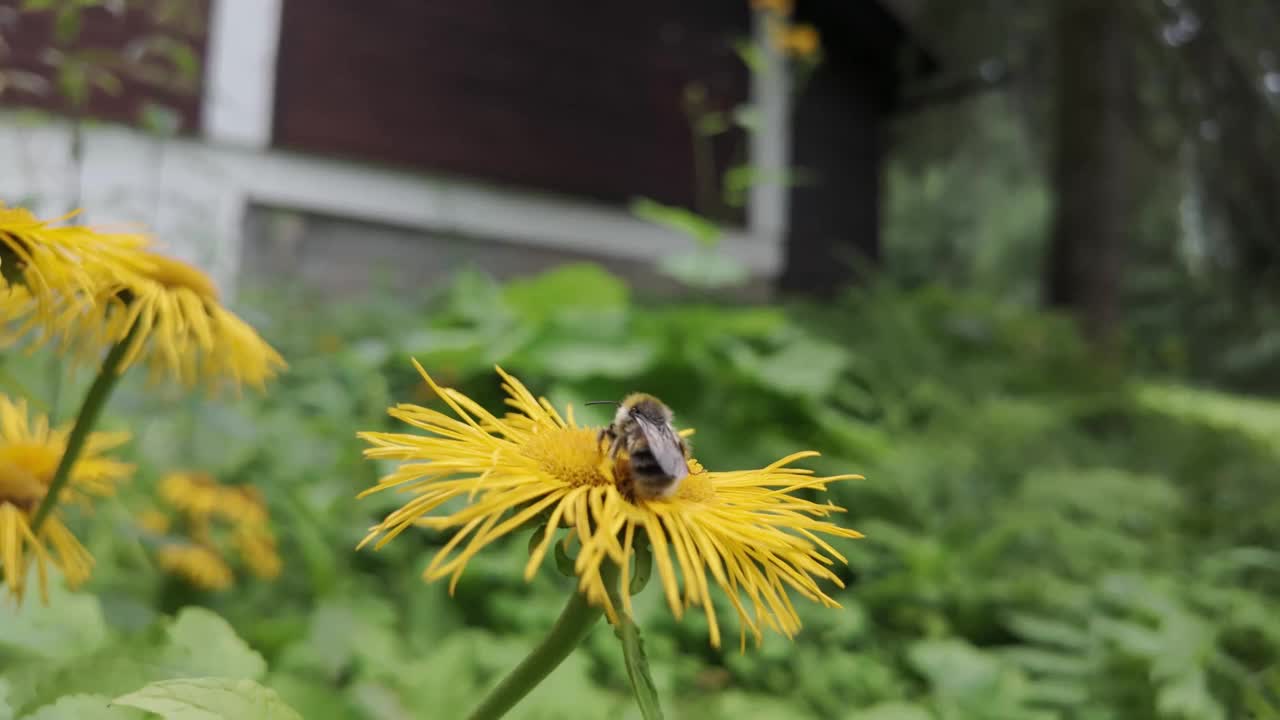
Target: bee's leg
[[611, 436]]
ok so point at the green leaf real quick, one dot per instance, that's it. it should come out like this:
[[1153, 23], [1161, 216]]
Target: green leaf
[[576, 285], [210, 699], [891, 711], [36, 5], [66, 25], [84, 707], [955, 668], [579, 359], [802, 367], [705, 269], [638, 667], [564, 563], [1049, 631], [686, 222], [73, 81], [184, 59], [643, 567], [712, 123], [749, 52], [202, 643], [70, 626], [160, 119]]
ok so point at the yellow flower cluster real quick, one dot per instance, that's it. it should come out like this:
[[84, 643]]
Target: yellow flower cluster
[[29, 454], [85, 291], [107, 300], [798, 40], [205, 521], [745, 531]]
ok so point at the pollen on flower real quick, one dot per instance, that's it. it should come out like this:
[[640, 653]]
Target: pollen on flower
[[571, 454]]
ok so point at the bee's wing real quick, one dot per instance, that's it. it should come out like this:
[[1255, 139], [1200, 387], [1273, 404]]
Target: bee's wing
[[665, 447]]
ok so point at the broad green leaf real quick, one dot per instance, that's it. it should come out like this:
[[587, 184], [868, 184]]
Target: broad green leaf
[[802, 367], [70, 626], [84, 707], [210, 698], [203, 643], [955, 668], [580, 285], [579, 359], [6, 709]]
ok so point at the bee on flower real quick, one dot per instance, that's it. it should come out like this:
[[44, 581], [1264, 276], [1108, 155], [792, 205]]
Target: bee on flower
[[744, 532]]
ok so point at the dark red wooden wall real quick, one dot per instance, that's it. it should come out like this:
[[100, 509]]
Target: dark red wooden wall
[[29, 44], [579, 96]]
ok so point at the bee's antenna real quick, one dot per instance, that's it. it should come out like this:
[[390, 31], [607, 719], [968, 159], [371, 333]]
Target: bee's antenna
[[602, 402]]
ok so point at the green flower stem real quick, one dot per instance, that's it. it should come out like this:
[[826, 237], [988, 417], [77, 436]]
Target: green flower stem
[[628, 634], [575, 621], [90, 409]]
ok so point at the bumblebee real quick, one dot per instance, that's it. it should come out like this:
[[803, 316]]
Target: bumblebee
[[656, 455]]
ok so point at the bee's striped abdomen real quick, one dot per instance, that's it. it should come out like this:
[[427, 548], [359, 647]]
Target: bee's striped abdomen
[[644, 463]]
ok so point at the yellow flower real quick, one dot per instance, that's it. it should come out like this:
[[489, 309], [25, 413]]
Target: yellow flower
[[800, 41], [207, 513], [257, 547], [778, 7], [198, 564], [51, 274], [29, 455], [744, 531], [154, 522], [194, 493], [179, 327]]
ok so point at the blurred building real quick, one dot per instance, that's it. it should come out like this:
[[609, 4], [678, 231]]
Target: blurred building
[[329, 141]]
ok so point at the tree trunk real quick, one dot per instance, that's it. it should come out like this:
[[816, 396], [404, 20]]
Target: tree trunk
[[1090, 164]]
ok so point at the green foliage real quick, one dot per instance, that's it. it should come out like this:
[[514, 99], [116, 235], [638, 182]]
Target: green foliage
[[1045, 538], [209, 699]]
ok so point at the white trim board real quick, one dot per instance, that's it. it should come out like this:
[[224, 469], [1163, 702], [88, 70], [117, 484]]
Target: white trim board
[[194, 195]]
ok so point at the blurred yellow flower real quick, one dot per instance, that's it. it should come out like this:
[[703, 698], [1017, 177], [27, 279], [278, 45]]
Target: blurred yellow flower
[[170, 318], [778, 7], [49, 275], [197, 564], [154, 522], [800, 41], [212, 519], [745, 530], [257, 548], [29, 454]]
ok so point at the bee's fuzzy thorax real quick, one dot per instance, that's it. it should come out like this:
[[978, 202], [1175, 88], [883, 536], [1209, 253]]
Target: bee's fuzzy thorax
[[647, 405]]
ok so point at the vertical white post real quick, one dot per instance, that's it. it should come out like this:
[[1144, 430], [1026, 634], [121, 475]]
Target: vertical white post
[[771, 142], [240, 72]]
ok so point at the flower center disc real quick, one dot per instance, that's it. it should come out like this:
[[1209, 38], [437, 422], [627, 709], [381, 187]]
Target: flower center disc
[[569, 454]]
